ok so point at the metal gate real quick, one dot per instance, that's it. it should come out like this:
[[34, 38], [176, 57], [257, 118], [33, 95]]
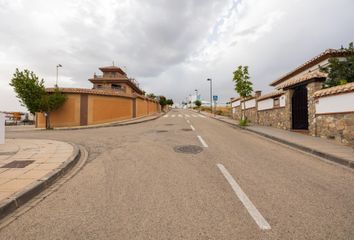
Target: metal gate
[[299, 108]]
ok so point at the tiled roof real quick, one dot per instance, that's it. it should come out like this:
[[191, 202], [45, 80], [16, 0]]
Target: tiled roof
[[90, 91], [270, 95], [329, 53], [349, 87], [302, 78], [235, 99]]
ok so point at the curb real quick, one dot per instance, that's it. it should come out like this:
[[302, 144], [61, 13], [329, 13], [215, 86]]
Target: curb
[[11, 204], [330, 157], [116, 124]]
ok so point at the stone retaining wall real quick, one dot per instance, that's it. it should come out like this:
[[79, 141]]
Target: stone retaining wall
[[275, 117], [339, 126]]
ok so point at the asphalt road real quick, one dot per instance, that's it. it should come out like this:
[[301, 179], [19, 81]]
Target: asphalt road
[[240, 186]]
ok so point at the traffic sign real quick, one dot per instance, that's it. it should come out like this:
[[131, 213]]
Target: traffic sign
[[215, 98]]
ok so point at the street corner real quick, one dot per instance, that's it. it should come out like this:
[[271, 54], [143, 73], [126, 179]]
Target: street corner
[[29, 166]]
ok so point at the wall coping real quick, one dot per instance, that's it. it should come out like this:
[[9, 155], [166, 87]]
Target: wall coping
[[349, 87], [270, 95]]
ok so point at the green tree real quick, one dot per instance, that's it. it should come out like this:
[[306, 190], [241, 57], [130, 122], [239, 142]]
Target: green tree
[[243, 86], [32, 94], [198, 103], [169, 102], [151, 95], [162, 101], [339, 71]]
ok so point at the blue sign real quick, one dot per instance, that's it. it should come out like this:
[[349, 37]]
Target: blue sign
[[215, 98]]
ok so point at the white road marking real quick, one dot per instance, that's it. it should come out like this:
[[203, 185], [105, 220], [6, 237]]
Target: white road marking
[[202, 141], [194, 115], [179, 115], [252, 210], [186, 115], [192, 128], [173, 115], [166, 115], [202, 116], [188, 121]]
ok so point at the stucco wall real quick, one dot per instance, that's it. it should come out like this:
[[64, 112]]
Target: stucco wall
[[335, 103], [66, 116], [141, 107], [102, 109]]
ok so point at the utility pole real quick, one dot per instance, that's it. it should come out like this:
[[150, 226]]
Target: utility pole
[[58, 66], [211, 94]]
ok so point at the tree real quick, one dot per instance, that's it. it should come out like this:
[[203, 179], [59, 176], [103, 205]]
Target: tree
[[198, 103], [151, 95], [169, 102], [32, 94], [243, 86], [339, 71], [162, 101]]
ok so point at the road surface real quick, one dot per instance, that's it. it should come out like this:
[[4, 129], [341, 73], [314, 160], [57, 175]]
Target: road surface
[[138, 185]]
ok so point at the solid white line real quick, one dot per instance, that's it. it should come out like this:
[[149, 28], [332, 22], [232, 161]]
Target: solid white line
[[192, 128], [202, 141], [252, 210], [173, 115]]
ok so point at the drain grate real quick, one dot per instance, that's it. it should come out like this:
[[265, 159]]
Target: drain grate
[[18, 164], [186, 129], [189, 149], [161, 131]]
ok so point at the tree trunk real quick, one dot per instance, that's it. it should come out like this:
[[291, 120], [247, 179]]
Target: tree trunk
[[48, 116]]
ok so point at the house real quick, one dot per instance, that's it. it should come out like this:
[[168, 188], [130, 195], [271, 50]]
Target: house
[[300, 104], [113, 97]]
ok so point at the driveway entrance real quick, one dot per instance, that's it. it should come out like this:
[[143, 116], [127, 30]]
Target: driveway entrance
[[300, 108]]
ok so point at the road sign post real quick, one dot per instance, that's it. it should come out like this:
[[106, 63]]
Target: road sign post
[[2, 128], [215, 99]]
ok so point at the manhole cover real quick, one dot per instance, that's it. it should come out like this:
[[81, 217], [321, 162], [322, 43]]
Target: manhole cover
[[186, 129], [161, 131], [190, 149], [18, 164]]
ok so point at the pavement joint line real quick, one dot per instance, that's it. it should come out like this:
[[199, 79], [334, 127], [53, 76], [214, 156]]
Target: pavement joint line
[[251, 208], [192, 128], [202, 141], [80, 162]]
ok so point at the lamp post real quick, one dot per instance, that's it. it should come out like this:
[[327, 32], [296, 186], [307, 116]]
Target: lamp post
[[58, 66], [211, 94]]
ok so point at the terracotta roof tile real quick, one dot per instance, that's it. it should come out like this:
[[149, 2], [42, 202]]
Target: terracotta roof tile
[[270, 95], [302, 78], [349, 87], [90, 91], [329, 53]]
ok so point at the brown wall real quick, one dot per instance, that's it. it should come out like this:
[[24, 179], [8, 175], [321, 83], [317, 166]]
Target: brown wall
[[89, 109], [102, 109], [66, 116]]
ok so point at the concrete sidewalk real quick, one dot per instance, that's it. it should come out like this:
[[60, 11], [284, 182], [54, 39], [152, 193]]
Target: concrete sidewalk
[[28, 166], [324, 148]]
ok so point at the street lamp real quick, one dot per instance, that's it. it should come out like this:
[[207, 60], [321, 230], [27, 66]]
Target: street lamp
[[58, 66], [211, 94]]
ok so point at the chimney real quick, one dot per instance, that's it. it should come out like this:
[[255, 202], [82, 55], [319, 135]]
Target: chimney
[[257, 94]]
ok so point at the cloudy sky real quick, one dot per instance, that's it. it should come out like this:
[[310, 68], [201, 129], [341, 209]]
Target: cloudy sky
[[169, 46]]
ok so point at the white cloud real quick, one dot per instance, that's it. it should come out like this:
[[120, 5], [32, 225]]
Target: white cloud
[[171, 47]]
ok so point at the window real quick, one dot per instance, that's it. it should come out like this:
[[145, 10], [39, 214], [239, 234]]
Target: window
[[116, 86], [98, 86], [276, 102]]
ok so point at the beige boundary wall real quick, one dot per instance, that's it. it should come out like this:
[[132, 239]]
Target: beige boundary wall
[[81, 109]]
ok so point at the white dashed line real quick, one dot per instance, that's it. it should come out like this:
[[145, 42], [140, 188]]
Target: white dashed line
[[252, 210], [194, 115], [202, 141], [173, 115], [179, 115], [188, 121], [165, 116], [192, 128], [186, 115], [202, 116]]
